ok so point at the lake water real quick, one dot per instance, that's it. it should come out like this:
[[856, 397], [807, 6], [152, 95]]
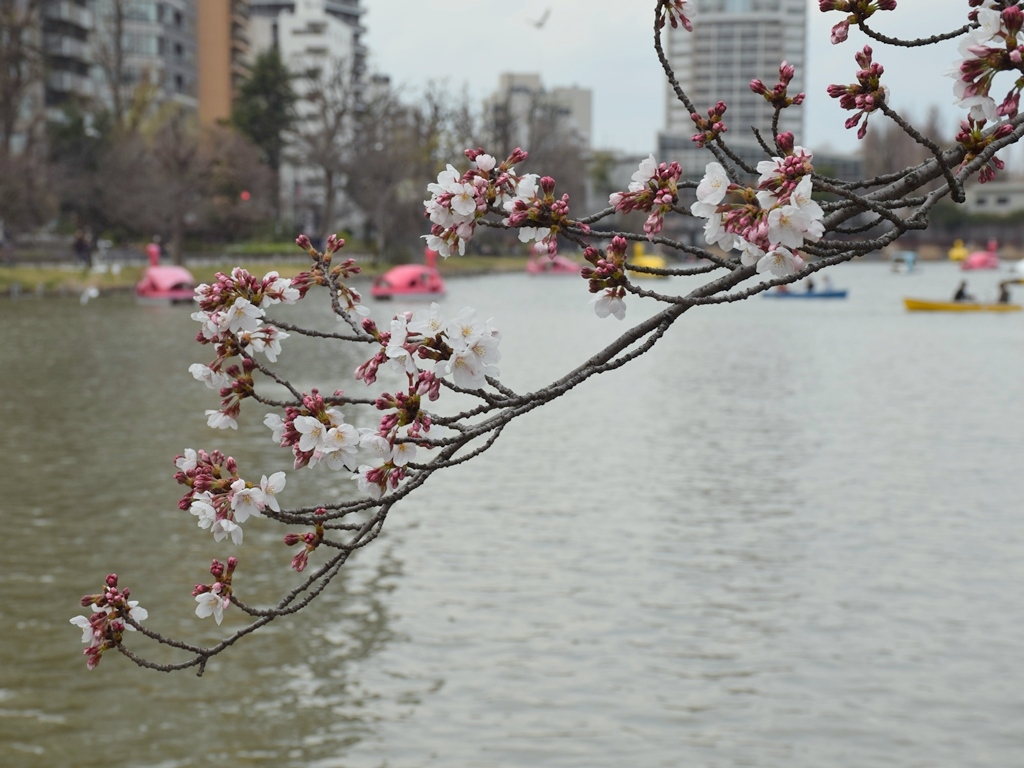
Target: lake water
[[792, 534]]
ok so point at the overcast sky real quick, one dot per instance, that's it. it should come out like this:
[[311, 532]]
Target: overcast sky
[[605, 45]]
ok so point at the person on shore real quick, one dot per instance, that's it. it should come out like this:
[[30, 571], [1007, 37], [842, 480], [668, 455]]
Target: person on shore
[[961, 293], [82, 248], [154, 251]]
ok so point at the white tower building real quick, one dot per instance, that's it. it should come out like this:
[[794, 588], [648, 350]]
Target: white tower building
[[733, 42]]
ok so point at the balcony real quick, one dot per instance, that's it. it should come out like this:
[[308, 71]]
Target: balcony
[[60, 46], [68, 12], [68, 82]]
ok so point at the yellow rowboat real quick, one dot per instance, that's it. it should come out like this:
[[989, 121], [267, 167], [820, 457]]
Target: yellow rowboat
[[925, 305]]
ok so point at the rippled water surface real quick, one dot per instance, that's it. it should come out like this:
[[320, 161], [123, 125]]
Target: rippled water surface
[[790, 535]]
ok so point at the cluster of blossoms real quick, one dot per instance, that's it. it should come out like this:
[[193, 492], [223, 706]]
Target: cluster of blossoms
[[316, 433], [104, 628], [858, 10], [675, 11], [779, 96], [770, 223], [458, 201], [463, 347], [213, 599], [539, 217], [995, 46], [866, 95], [218, 497], [231, 312], [654, 189], [973, 138], [607, 278], [710, 127]]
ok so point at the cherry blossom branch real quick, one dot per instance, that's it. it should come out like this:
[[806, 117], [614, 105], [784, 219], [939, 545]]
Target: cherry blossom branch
[[764, 218]]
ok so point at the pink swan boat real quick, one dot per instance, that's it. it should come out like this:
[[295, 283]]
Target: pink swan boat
[[547, 265], [983, 259], [165, 285], [408, 280]]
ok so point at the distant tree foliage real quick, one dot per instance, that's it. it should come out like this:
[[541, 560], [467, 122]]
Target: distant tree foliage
[[264, 108]]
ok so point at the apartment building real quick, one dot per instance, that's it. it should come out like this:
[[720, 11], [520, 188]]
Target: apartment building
[[222, 39]]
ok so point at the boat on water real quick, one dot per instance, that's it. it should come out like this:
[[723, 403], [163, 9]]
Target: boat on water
[[409, 281], [927, 305], [832, 293], [552, 265], [987, 259], [165, 284], [648, 260]]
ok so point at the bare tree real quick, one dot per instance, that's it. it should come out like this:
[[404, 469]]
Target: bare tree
[[109, 51], [21, 63], [323, 129]]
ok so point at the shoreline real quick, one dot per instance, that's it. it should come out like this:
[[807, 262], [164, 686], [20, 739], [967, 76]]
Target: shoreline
[[69, 280]]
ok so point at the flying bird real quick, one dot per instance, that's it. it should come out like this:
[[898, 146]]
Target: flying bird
[[539, 23]]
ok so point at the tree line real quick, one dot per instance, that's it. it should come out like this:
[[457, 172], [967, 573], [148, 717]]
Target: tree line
[[133, 167]]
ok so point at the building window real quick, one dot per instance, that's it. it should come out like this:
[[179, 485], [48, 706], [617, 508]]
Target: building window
[[982, 200], [1001, 200]]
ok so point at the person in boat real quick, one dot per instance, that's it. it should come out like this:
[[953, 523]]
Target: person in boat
[[826, 283], [1004, 294], [782, 289], [961, 293], [810, 285]]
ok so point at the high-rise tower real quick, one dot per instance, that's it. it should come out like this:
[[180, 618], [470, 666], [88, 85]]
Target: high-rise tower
[[733, 42]]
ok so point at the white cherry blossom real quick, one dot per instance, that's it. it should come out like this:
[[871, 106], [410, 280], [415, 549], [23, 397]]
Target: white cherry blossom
[[605, 305], [188, 460], [243, 316], [271, 486], [224, 528], [212, 604], [313, 432], [83, 623], [245, 502], [429, 322], [220, 420], [485, 163], [646, 171], [714, 186], [275, 423], [375, 443], [403, 453], [211, 378], [202, 508], [781, 262]]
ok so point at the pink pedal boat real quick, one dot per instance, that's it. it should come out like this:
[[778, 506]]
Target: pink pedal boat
[[408, 281], [546, 265], [988, 259], [165, 285]]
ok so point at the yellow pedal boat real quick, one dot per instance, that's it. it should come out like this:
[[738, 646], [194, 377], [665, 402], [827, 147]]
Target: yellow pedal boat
[[927, 305]]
